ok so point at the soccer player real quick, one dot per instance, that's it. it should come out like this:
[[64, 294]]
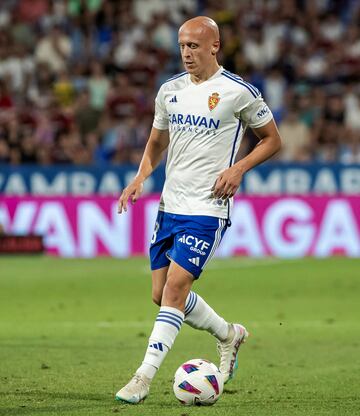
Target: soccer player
[[200, 118]]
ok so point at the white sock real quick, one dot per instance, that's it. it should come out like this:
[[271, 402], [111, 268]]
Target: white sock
[[199, 315], [167, 326]]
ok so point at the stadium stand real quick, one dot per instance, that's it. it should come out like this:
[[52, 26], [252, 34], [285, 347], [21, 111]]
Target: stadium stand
[[78, 78]]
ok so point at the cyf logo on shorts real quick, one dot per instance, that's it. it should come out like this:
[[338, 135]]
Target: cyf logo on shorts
[[196, 244]]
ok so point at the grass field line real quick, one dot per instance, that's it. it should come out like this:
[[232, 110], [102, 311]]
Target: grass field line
[[142, 324]]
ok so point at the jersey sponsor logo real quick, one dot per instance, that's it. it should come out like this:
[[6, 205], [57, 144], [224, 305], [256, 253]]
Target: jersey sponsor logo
[[173, 100], [195, 260], [263, 112], [196, 244], [213, 100], [194, 120]]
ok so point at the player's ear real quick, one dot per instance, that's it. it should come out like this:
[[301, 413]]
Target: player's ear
[[215, 47]]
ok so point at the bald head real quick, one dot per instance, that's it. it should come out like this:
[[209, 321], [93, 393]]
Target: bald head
[[202, 26], [199, 43]]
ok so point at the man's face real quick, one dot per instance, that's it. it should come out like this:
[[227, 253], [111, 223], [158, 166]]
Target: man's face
[[196, 49]]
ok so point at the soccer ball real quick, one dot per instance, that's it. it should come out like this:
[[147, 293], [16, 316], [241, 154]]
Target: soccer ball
[[198, 382]]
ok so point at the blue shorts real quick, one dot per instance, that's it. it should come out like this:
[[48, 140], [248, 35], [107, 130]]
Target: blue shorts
[[188, 240]]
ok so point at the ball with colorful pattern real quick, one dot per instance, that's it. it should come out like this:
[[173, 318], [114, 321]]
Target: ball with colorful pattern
[[198, 382]]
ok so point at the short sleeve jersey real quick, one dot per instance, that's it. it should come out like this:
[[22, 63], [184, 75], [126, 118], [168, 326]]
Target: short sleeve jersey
[[206, 123]]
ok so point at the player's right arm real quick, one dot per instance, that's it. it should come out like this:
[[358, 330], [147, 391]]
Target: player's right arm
[[155, 147]]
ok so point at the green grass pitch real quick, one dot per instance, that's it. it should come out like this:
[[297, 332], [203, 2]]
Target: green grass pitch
[[72, 332]]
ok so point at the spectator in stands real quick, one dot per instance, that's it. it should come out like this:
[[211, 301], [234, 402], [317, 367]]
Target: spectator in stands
[[28, 148], [17, 68], [4, 151], [123, 98], [296, 138], [63, 90], [54, 49], [86, 117], [99, 86], [274, 87], [6, 101]]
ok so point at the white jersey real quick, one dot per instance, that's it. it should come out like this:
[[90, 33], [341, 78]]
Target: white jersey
[[206, 123]]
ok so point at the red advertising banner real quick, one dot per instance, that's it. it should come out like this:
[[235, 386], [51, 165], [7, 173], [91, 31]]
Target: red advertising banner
[[261, 226]]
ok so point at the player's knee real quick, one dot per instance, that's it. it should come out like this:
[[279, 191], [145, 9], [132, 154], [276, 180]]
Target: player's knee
[[174, 293]]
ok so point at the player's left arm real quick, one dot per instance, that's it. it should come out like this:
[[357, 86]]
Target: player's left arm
[[228, 182]]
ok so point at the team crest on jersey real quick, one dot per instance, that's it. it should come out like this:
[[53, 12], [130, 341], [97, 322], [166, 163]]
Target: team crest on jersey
[[213, 100]]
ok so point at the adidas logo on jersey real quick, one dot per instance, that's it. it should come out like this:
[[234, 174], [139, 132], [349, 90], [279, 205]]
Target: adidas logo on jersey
[[157, 346], [195, 260], [173, 100]]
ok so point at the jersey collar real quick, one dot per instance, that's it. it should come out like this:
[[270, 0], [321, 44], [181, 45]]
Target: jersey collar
[[215, 75]]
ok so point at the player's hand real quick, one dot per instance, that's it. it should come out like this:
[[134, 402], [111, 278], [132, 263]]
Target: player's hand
[[227, 183], [132, 191]]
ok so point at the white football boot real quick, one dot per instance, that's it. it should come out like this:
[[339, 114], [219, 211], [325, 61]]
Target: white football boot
[[228, 351], [135, 391]]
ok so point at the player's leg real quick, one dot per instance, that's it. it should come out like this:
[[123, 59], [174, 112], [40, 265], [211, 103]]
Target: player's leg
[[204, 235], [198, 314], [166, 327], [138, 387], [177, 287], [158, 277], [169, 319], [230, 336]]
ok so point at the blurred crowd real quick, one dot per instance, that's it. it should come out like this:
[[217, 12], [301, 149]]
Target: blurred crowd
[[78, 77]]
